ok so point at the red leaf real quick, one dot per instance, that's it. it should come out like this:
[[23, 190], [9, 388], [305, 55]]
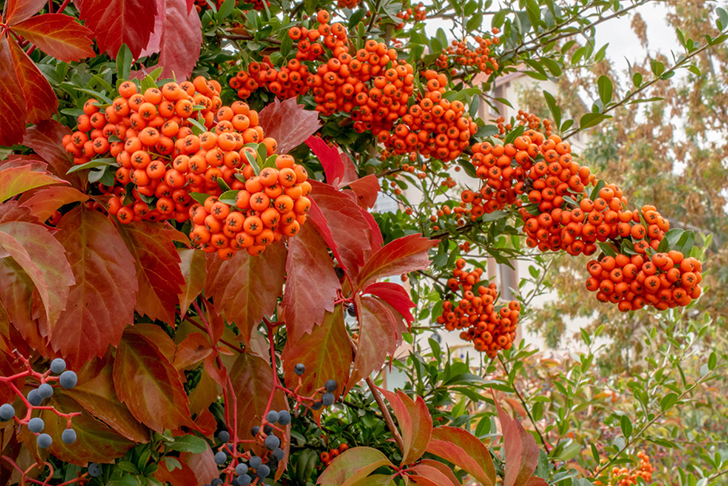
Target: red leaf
[[16, 180], [101, 303], [9, 366], [149, 385], [536, 481], [19, 10], [465, 451], [289, 123], [252, 380], [179, 476], [353, 465], [43, 259], [95, 441], [180, 39], [16, 296], [403, 255], [202, 464], [157, 268], [117, 22], [58, 35], [334, 363], [338, 168], [366, 189], [40, 99], [415, 423], [45, 202], [12, 99], [246, 288], [521, 451], [95, 393], [394, 295], [193, 267], [159, 337], [46, 138], [448, 478], [190, 352], [13, 211], [377, 337], [311, 283], [353, 237]]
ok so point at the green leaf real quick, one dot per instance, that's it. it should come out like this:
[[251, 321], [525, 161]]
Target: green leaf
[[591, 119], [197, 127], [200, 197], [124, 59], [552, 66], [188, 443], [657, 67], [474, 22], [605, 89], [553, 107], [107, 161], [225, 10], [148, 82], [486, 131], [229, 197], [95, 94], [499, 18], [514, 134], [595, 193], [668, 401], [607, 249], [626, 425], [712, 361]]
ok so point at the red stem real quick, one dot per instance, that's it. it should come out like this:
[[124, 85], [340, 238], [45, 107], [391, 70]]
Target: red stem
[[63, 6]]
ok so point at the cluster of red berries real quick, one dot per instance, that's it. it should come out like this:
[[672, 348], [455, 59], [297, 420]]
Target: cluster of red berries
[[459, 53], [287, 82], [327, 457], [622, 476], [489, 328], [528, 120], [267, 207], [418, 14], [152, 139], [433, 127]]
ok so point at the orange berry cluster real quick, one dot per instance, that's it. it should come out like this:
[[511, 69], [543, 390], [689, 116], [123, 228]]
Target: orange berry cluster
[[461, 54], [629, 477], [433, 127], [488, 327], [351, 4], [267, 207], [286, 82], [418, 14], [529, 120], [327, 457]]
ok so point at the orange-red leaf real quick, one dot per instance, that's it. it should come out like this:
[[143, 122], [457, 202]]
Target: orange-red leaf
[[43, 259], [15, 180], [415, 423], [252, 379], [377, 337], [289, 123], [246, 288], [57, 35], [179, 476], [157, 268], [19, 10], [338, 167], [395, 295], [16, 296], [448, 478], [521, 451], [179, 38], [403, 255], [353, 465], [193, 267], [12, 99], [147, 382], [101, 303], [345, 226], [95, 441], [117, 22], [465, 451], [325, 352], [95, 392], [45, 202], [46, 138], [366, 189], [311, 283], [202, 464], [40, 99], [192, 350], [9, 366]]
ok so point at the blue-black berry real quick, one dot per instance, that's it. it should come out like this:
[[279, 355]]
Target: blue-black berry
[[279, 454], [220, 457], [272, 416], [216, 482], [241, 469], [58, 366], [45, 390], [255, 462], [94, 470], [34, 398], [299, 369], [7, 412], [351, 310], [317, 405], [254, 431], [44, 441], [284, 417], [36, 425], [272, 442], [263, 471], [68, 379], [68, 436], [267, 429], [223, 436], [328, 399], [244, 480], [331, 385]]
